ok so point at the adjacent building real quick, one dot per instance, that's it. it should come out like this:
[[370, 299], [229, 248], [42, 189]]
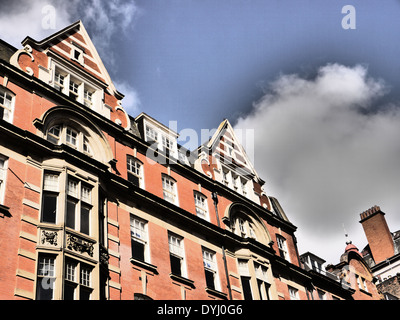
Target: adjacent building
[[382, 253], [98, 204]]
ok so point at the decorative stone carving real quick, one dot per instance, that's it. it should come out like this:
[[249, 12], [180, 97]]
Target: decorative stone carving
[[49, 237], [104, 256], [78, 244], [14, 59]]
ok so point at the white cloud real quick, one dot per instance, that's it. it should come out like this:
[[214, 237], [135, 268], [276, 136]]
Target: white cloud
[[107, 20], [327, 155], [103, 19], [33, 21], [131, 102]]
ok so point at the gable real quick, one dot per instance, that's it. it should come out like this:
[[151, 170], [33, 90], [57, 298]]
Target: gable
[[73, 45], [225, 146]]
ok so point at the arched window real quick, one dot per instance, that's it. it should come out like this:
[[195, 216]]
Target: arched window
[[66, 125], [70, 135], [247, 224], [244, 227]]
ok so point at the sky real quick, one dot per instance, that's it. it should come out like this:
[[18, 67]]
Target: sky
[[318, 87]]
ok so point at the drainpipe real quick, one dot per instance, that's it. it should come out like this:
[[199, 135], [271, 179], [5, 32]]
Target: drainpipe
[[215, 199]]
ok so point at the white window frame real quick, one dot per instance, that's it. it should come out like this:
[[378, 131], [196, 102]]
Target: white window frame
[[151, 133], [88, 94], [3, 177], [293, 293], [244, 272], [364, 283], [7, 103], [170, 190], [321, 294], [135, 167], [80, 194], [282, 245], [79, 276], [80, 58], [244, 228], [262, 281], [51, 189], [82, 90], [201, 205], [177, 249], [140, 233], [70, 136], [46, 273], [210, 265], [243, 186]]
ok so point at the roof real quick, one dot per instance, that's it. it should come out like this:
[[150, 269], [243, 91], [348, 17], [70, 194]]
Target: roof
[[75, 27], [6, 50]]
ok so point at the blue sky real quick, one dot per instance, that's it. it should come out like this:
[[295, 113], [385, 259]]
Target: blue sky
[[286, 69], [190, 57]]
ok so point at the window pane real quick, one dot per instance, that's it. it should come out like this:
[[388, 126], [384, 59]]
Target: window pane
[[70, 271], [69, 291], [210, 279], [175, 245], [49, 208], [85, 220], [85, 276], [72, 188], [137, 250], [71, 206], [71, 136], [45, 279], [86, 194], [44, 288], [85, 293], [50, 182], [175, 265], [246, 288], [133, 178]]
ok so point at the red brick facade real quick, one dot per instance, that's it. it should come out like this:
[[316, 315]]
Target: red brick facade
[[378, 235], [93, 209]]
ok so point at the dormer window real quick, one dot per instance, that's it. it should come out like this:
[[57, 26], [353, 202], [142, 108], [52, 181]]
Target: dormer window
[[151, 134], [167, 144]]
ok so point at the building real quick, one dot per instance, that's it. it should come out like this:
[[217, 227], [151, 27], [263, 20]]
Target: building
[[382, 253], [98, 204], [354, 272], [324, 285]]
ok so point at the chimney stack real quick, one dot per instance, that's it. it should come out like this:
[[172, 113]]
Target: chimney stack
[[377, 232]]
